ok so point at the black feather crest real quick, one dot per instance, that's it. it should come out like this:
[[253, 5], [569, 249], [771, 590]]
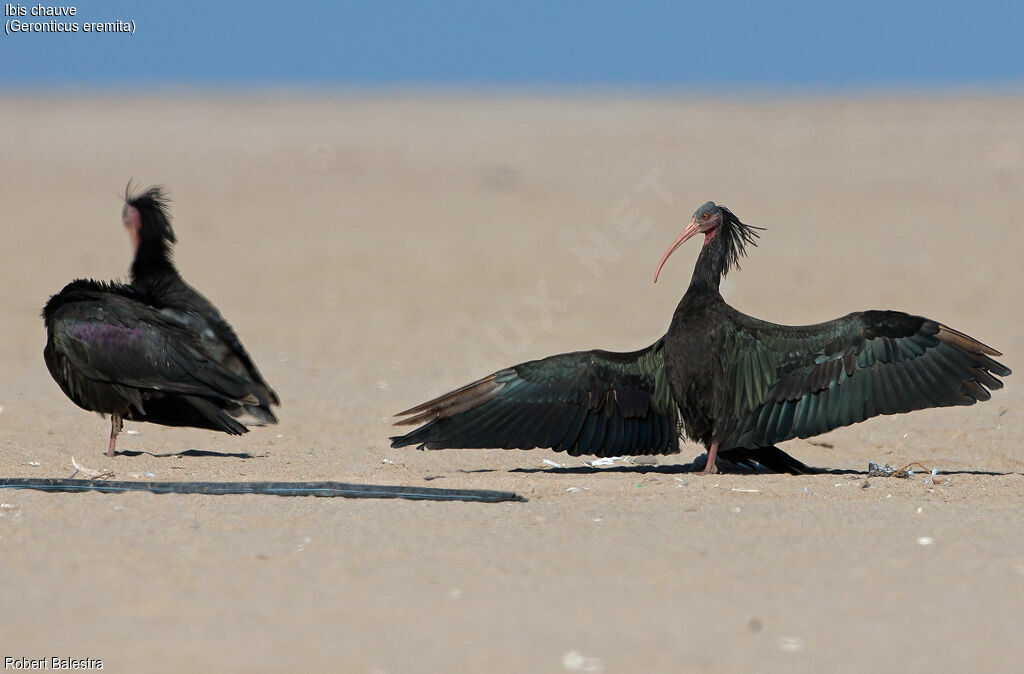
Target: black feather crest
[[737, 236], [154, 207]]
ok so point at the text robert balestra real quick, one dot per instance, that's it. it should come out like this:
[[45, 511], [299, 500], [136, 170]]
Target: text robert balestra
[[54, 662]]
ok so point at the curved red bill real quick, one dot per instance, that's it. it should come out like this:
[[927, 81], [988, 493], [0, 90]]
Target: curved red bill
[[690, 230]]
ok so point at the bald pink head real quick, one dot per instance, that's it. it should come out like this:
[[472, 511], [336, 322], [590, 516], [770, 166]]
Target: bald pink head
[[132, 220], [706, 220]]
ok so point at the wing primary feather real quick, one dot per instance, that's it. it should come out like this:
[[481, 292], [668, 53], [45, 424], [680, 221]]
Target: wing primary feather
[[965, 342]]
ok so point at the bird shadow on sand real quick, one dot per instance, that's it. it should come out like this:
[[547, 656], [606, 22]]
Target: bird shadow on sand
[[689, 468], [194, 453]]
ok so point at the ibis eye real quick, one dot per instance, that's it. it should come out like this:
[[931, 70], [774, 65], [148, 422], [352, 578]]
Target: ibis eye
[[705, 216]]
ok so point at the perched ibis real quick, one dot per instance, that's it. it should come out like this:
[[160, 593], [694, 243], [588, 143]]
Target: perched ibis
[[153, 274], [155, 350], [733, 383]]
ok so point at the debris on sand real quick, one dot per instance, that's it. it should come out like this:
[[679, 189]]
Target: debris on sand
[[907, 471], [91, 473], [874, 470], [790, 644], [574, 661], [607, 461]]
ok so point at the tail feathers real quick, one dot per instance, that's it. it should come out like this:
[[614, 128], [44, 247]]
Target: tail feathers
[[218, 416], [261, 416]]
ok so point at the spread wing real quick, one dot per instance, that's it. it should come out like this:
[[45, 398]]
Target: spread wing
[[588, 402], [780, 382]]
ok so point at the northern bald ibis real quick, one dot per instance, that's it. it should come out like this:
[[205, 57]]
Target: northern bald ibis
[[155, 350], [735, 384]]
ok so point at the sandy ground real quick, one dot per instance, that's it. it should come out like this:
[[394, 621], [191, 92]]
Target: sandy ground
[[376, 251]]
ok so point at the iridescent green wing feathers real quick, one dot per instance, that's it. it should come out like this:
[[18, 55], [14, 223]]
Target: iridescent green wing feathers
[[781, 382], [588, 402]]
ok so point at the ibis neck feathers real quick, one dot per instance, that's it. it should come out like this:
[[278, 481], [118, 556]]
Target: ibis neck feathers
[[153, 258], [712, 263], [722, 250]]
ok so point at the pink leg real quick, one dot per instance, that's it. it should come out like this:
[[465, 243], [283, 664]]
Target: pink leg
[[711, 468], [115, 428]]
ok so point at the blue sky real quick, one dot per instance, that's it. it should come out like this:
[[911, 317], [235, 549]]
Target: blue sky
[[721, 44]]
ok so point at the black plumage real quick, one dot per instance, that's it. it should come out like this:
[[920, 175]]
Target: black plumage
[[736, 384], [590, 402], [155, 350], [154, 275]]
